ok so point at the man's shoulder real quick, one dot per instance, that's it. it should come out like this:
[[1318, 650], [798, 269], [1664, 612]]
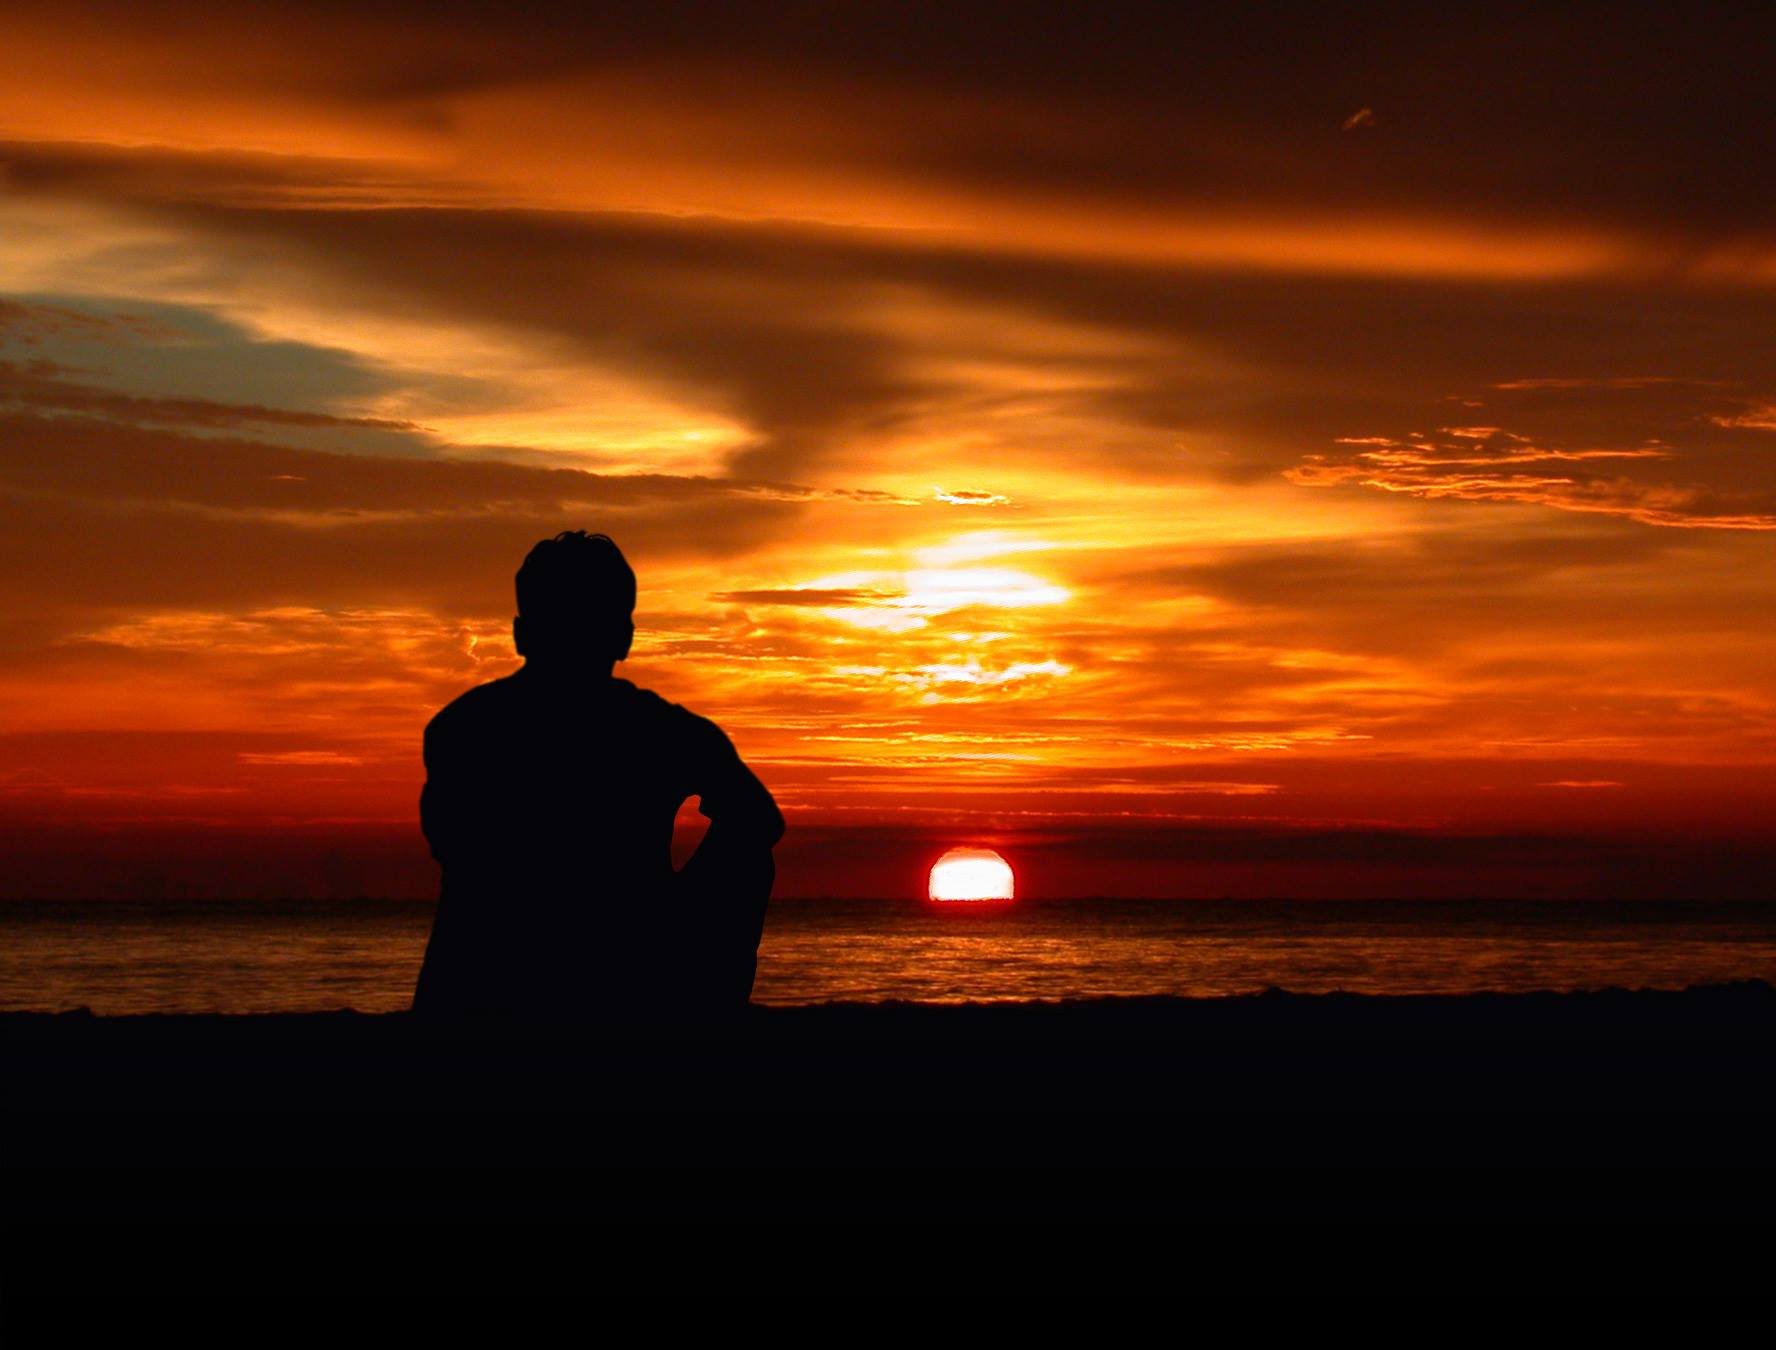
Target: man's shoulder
[[646, 705], [472, 705]]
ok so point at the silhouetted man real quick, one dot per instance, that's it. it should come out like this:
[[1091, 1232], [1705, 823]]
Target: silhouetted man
[[549, 803]]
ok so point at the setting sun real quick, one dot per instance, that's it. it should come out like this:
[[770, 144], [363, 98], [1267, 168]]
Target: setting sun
[[971, 874]]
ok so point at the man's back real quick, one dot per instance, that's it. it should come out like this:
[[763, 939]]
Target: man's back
[[549, 804]]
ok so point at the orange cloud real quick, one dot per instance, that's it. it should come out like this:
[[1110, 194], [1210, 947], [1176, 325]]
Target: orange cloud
[[1489, 464]]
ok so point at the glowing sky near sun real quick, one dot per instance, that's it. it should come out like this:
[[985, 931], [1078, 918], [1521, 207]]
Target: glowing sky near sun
[[1096, 427]]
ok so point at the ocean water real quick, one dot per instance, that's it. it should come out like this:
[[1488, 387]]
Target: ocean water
[[309, 956]]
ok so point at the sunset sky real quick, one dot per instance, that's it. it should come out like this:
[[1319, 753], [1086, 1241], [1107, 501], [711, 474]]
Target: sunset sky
[[1288, 451]]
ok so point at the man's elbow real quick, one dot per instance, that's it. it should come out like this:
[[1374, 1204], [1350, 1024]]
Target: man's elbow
[[757, 821], [742, 811]]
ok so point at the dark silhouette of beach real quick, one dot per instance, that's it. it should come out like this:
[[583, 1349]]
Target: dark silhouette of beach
[[1611, 1078], [1600, 1143]]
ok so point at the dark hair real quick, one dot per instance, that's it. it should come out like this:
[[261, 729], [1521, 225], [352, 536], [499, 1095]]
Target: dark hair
[[576, 592]]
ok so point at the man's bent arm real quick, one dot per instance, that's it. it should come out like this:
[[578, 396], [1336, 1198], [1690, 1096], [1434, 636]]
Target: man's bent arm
[[743, 812], [740, 809]]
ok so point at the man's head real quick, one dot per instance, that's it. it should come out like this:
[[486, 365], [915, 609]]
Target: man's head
[[576, 600]]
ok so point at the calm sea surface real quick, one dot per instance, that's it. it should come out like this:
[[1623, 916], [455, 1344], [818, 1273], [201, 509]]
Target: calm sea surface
[[300, 956]]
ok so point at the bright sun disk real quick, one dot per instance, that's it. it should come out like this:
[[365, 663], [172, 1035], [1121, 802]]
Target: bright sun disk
[[971, 874]]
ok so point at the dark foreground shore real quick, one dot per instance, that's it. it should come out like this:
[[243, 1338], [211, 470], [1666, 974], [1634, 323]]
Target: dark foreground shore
[[1258, 1145], [1612, 1078]]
